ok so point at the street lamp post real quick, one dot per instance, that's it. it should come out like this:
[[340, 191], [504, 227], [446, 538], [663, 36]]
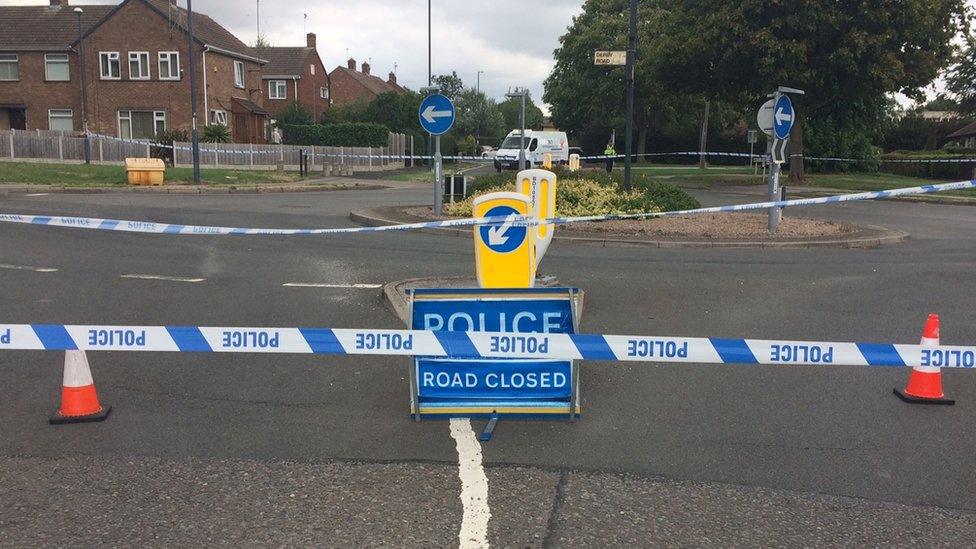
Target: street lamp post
[[631, 59], [84, 86], [193, 91], [520, 93]]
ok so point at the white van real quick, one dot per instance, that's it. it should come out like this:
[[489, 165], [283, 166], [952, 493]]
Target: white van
[[537, 144]]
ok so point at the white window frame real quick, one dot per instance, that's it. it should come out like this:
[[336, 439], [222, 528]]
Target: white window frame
[[173, 58], [126, 115], [13, 59], [324, 92], [275, 86], [139, 57], [48, 58], [61, 114], [218, 117], [312, 68], [239, 74], [109, 55]]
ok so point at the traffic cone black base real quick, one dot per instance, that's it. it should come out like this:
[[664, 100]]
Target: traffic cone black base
[[58, 419], [918, 400]]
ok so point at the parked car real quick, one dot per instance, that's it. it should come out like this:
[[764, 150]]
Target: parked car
[[487, 151]]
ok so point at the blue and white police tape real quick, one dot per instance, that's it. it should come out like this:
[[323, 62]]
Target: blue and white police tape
[[471, 345], [149, 227]]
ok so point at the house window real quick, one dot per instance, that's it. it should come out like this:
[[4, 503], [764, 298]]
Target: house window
[[218, 117], [239, 74], [324, 93], [141, 124], [8, 67], [56, 67], [60, 120], [312, 68], [277, 89], [109, 63], [138, 65], [169, 65]]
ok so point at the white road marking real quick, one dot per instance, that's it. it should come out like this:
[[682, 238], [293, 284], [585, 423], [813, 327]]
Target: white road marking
[[29, 268], [37, 194], [346, 286], [474, 486], [161, 277]]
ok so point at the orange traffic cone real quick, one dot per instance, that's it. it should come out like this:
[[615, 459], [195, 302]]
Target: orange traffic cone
[[925, 383], [79, 402]]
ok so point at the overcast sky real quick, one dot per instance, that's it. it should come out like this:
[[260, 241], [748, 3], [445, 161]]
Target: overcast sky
[[512, 45], [468, 36]]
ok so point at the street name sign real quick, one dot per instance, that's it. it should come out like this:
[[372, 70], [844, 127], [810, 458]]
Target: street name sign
[[609, 57], [540, 187], [478, 387], [783, 117], [436, 114], [504, 253]]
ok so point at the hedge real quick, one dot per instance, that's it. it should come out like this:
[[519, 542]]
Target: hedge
[[346, 134], [955, 171]]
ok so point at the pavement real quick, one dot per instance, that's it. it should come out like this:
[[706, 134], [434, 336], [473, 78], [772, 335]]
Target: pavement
[[306, 450]]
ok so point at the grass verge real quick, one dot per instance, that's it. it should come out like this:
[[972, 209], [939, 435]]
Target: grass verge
[[81, 175]]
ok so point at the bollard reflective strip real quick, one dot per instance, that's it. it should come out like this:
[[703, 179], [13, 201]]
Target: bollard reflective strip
[[471, 345]]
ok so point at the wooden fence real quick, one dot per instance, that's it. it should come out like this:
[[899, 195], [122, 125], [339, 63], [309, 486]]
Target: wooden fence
[[68, 147]]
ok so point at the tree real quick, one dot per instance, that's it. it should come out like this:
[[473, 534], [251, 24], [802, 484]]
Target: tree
[[450, 85], [511, 110], [295, 114], [961, 77], [848, 56], [477, 115], [262, 41]]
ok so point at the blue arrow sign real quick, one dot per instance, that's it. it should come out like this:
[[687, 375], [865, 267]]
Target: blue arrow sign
[[506, 237], [436, 114], [783, 117]]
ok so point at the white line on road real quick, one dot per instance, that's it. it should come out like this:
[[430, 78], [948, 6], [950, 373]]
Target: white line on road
[[161, 277], [29, 268], [346, 286], [474, 486], [37, 194]]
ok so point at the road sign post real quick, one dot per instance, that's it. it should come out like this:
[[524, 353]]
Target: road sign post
[[436, 115], [779, 117]]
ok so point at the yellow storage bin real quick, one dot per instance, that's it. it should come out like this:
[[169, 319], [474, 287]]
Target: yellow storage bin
[[145, 171]]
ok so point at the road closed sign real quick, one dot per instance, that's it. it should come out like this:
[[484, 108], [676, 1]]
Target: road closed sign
[[504, 251], [540, 187]]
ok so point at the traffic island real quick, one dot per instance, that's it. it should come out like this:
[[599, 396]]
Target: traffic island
[[723, 230]]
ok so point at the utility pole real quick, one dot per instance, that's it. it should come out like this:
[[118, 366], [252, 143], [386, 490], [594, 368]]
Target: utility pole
[[258, 20], [430, 74], [193, 91], [478, 86], [84, 87], [520, 93], [703, 143], [631, 55]]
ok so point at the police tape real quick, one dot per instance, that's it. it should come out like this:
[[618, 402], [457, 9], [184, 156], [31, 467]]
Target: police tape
[[489, 158], [477, 345], [149, 227]]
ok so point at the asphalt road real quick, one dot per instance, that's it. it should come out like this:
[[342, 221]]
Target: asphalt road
[[308, 450]]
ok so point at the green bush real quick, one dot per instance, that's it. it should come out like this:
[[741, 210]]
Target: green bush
[[165, 141], [216, 133], [346, 134], [601, 193], [956, 171]]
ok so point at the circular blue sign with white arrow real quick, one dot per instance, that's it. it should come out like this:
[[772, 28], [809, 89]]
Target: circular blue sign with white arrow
[[783, 117], [436, 114], [505, 237]]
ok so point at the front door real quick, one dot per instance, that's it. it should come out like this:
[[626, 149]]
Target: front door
[[240, 128]]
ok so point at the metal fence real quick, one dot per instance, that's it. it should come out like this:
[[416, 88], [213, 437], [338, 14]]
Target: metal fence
[[69, 147], [265, 157]]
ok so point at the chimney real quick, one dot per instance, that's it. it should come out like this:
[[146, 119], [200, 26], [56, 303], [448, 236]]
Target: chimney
[[365, 68], [310, 40], [58, 4], [392, 79], [351, 63]]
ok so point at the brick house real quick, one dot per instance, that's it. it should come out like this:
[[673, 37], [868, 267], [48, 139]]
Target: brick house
[[135, 58], [349, 85], [295, 74], [965, 136]]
